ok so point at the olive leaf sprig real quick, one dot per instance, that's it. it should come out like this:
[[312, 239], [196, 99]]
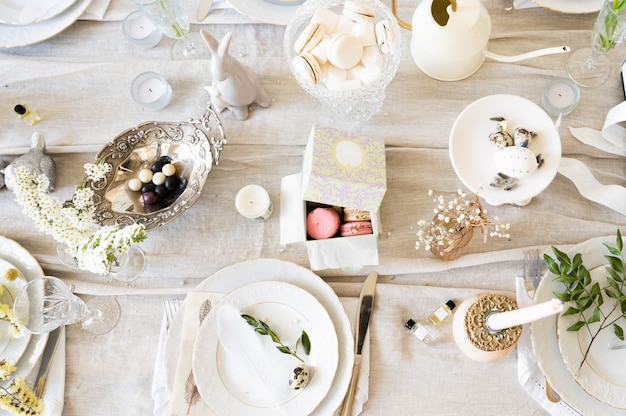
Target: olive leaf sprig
[[264, 329], [585, 297]]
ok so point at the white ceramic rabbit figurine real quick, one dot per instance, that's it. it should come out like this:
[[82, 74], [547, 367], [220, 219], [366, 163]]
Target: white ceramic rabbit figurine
[[234, 86]]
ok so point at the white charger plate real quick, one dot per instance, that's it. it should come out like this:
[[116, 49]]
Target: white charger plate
[[12, 36], [288, 310], [266, 11], [14, 253], [471, 151], [236, 275], [11, 348], [543, 335], [27, 12], [603, 375], [571, 6]]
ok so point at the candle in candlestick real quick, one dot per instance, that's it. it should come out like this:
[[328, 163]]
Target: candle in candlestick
[[151, 91], [140, 30], [560, 96], [253, 201], [497, 321]]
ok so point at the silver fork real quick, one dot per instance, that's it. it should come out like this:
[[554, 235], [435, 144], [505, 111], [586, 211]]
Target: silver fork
[[532, 276], [170, 306], [532, 270]]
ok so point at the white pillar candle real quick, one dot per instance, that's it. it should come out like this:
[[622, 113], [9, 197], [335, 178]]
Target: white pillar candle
[[151, 91], [140, 30], [509, 319], [253, 201], [560, 96]]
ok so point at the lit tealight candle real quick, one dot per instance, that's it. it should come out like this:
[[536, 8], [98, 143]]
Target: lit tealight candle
[[560, 96], [140, 30], [253, 201], [151, 91], [515, 317]]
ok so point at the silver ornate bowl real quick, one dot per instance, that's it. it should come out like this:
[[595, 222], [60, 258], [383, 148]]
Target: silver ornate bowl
[[193, 145]]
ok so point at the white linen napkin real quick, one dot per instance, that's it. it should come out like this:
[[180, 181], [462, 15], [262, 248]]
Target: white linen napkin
[[95, 10], [528, 373], [177, 403]]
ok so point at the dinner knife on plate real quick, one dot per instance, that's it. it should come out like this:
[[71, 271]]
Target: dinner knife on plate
[[366, 304], [204, 7], [46, 362]]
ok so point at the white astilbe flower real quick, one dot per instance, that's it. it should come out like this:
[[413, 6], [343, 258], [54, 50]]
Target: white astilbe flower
[[94, 247]]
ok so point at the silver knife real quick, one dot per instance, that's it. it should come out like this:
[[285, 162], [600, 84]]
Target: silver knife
[[204, 7], [366, 304], [46, 361]]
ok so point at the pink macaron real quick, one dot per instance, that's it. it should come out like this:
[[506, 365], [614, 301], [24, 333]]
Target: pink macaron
[[355, 228], [322, 223]]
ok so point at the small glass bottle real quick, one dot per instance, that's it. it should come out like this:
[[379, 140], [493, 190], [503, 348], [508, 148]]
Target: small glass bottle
[[421, 332], [27, 114], [441, 313]]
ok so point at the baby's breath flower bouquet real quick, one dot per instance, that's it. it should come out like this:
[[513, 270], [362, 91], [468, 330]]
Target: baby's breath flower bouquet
[[452, 227], [93, 247]]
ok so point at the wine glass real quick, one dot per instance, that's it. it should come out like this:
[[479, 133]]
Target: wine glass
[[46, 303], [170, 17], [126, 267], [590, 67]]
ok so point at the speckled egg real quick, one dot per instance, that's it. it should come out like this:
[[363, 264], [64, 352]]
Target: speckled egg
[[299, 377], [515, 161]]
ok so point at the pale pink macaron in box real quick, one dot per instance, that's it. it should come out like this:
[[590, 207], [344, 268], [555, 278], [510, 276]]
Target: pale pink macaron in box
[[322, 223], [355, 228]]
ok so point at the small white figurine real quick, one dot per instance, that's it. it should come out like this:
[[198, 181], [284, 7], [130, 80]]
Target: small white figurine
[[36, 160], [234, 85]]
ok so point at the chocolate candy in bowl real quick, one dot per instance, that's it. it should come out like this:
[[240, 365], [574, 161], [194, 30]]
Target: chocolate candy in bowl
[[158, 170]]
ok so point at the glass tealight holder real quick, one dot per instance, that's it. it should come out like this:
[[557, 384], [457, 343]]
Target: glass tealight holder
[[560, 97], [140, 30], [351, 92], [151, 91]]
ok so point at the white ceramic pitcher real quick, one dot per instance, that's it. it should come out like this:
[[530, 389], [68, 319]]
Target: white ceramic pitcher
[[449, 40]]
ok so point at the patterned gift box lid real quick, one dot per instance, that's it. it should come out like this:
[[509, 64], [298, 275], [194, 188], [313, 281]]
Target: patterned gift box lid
[[344, 168]]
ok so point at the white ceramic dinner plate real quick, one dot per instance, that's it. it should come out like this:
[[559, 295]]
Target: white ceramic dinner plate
[[272, 12], [239, 274], [227, 381], [11, 348], [12, 36], [471, 151], [543, 334], [27, 12], [17, 255], [571, 6], [604, 373]]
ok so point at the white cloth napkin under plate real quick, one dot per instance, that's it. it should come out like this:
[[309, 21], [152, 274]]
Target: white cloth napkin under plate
[[96, 10], [528, 372], [179, 403]]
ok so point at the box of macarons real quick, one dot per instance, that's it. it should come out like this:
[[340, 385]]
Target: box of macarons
[[332, 206]]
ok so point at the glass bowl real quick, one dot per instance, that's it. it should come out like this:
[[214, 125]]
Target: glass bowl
[[350, 105]]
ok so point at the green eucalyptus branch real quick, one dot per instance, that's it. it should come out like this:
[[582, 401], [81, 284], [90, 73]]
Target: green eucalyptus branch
[[263, 328], [584, 297]]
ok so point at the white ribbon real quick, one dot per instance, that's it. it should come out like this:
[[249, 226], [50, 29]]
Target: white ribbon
[[612, 139]]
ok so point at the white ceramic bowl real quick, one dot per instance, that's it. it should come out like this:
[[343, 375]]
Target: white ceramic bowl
[[471, 151]]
